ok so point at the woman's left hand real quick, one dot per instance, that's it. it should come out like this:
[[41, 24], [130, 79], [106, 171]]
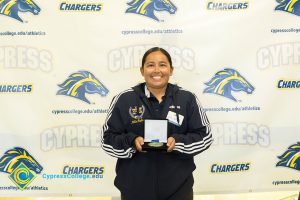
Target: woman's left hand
[[170, 144]]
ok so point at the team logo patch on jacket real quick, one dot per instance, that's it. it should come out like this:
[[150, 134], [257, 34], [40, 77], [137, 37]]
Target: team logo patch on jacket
[[137, 112]]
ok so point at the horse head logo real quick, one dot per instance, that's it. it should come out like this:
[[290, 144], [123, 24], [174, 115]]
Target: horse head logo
[[14, 157], [147, 7], [80, 83], [226, 81], [290, 6], [291, 157], [12, 8]]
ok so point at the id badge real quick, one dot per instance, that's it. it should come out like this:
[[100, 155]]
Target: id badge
[[172, 118]]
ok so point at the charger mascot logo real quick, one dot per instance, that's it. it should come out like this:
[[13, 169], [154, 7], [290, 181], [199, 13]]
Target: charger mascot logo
[[226, 81], [291, 157], [290, 6], [147, 7], [80, 83], [12, 8], [20, 165]]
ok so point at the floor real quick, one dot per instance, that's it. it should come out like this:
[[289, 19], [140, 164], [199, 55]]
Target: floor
[[280, 195]]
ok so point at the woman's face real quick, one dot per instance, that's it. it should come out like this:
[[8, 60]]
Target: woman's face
[[156, 70]]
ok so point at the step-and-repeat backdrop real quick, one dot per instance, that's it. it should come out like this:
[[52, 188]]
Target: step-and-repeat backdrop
[[61, 63]]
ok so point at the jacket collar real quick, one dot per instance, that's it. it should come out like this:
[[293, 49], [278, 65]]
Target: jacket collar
[[147, 92]]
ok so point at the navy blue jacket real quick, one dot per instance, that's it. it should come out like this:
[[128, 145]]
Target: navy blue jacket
[[155, 175]]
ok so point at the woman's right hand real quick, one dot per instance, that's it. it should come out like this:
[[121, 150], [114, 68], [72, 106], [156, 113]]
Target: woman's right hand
[[139, 142]]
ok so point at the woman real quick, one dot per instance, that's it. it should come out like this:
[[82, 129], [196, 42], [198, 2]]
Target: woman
[[155, 175]]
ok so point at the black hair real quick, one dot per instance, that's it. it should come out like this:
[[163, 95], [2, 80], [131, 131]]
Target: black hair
[[154, 49]]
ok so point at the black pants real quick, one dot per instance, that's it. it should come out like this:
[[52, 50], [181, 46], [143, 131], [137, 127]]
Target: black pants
[[189, 197]]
